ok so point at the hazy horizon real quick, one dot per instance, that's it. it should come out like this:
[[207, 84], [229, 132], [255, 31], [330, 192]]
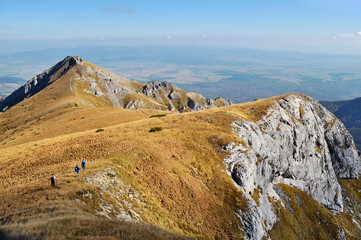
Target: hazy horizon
[[302, 26], [237, 74]]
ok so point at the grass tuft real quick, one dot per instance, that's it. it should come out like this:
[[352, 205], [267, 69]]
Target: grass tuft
[[156, 129], [158, 115]]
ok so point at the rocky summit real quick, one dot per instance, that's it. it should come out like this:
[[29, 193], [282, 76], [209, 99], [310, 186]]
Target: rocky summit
[[91, 85], [276, 168]]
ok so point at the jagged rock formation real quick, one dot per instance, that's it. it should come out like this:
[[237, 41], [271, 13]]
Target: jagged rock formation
[[91, 85], [298, 143], [176, 98]]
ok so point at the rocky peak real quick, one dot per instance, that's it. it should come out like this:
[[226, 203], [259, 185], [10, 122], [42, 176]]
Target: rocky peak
[[39, 82]]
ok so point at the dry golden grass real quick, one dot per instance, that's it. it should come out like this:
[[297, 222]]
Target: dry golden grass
[[309, 219], [179, 173], [64, 121], [40, 212]]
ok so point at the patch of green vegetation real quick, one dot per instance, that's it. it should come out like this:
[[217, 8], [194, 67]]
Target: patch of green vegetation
[[100, 130], [158, 115], [156, 129]]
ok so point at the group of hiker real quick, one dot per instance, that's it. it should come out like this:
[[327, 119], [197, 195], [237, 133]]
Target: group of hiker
[[82, 165], [77, 169]]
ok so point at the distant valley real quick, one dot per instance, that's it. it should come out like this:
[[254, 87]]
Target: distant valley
[[240, 75]]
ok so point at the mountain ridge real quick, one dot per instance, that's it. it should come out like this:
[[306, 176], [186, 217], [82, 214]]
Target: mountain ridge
[[94, 86], [279, 168]]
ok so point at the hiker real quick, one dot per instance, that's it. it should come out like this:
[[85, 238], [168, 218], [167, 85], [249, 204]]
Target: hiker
[[83, 164], [77, 169], [52, 180]]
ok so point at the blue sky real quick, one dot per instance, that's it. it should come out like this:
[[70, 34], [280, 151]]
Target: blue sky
[[309, 26]]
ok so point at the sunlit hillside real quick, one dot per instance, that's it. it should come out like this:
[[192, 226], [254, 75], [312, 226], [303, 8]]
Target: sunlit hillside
[[173, 179]]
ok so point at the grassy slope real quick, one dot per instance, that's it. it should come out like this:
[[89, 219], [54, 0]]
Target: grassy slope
[[178, 172]]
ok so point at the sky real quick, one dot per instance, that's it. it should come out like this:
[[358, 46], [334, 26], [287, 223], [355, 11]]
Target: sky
[[326, 26]]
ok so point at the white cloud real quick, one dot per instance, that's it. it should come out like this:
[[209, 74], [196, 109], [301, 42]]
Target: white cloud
[[359, 33], [100, 38], [111, 8], [204, 35], [169, 37], [334, 37], [347, 35]]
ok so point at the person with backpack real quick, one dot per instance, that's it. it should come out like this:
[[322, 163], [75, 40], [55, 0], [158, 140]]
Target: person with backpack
[[83, 164], [52, 180], [77, 169]]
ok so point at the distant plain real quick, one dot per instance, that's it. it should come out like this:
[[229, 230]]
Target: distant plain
[[239, 75]]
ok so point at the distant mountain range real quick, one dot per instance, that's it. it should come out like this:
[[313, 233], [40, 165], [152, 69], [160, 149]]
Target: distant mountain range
[[349, 112]]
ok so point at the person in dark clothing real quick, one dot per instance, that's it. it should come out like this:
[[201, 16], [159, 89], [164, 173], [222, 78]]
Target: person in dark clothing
[[77, 169], [52, 180], [83, 164]]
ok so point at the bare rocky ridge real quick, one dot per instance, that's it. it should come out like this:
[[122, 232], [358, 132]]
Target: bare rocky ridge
[[94, 86], [298, 143]]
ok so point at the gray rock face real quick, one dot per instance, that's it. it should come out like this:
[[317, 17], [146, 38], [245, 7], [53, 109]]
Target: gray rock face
[[210, 103], [168, 94], [194, 105], [38, 83], [298, 143], [153, 88]]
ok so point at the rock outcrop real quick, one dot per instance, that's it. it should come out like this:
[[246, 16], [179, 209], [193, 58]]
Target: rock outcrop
[[178, 99], [298, 143]]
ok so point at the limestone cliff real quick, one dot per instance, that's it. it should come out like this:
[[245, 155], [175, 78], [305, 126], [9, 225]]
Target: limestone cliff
[[298, 143]]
